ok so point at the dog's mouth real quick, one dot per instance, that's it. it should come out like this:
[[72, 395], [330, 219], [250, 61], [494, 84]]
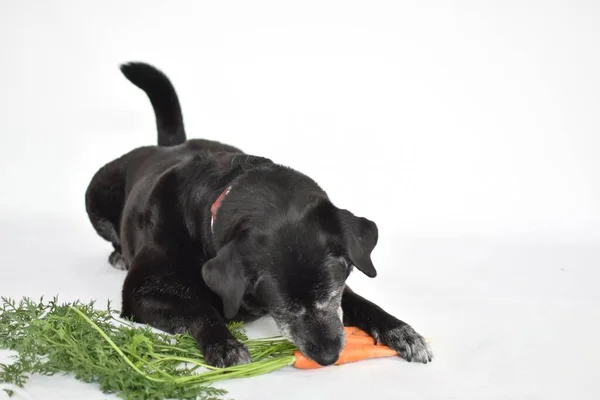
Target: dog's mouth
[[323, 345], [323, 353]]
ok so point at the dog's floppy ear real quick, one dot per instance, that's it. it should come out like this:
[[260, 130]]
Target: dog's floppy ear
[[360, 237], [225, 276]]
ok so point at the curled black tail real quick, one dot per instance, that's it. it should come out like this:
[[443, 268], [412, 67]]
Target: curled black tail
[[162, 95]]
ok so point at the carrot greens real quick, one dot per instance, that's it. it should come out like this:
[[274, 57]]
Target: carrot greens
[[129, 360]]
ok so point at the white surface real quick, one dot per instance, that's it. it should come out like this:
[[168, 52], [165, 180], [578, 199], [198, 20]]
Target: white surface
[[468, 132]]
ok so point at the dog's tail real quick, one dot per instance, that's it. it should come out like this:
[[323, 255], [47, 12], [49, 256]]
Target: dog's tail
[[162, 95]]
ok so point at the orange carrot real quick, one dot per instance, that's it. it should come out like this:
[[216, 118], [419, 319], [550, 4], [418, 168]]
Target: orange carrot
[[360, 332], [359, 352], [354, 339], [302, 362], [351, 353], [359, 346], [354, 331], [350, 330]]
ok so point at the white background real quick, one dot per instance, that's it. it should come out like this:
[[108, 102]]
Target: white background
[[468, 131]]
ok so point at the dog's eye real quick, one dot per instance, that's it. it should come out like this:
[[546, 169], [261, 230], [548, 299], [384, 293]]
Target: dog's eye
[[298, 310], [340, 267], [349, 268]]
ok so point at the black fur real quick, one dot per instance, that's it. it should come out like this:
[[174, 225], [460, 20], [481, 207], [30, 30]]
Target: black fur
[[279, 245], [164, 100]]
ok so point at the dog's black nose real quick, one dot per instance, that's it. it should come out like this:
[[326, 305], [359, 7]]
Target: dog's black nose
[[321, 343], [327, 358]]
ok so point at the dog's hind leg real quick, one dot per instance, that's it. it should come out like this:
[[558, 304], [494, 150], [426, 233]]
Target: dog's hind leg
[[104, 200]]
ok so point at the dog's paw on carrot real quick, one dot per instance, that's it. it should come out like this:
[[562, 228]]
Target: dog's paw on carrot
[[407, 342]]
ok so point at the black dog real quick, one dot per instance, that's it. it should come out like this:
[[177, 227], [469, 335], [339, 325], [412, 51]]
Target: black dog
[[210, 234]]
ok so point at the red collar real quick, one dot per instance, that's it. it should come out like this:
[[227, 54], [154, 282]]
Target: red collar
[[215, 207]]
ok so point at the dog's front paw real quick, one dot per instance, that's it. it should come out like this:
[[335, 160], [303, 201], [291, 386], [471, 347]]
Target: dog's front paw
[[407, 342], [226, 353]]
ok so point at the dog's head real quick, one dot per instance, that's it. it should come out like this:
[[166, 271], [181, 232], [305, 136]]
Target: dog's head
[[295, 261]]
